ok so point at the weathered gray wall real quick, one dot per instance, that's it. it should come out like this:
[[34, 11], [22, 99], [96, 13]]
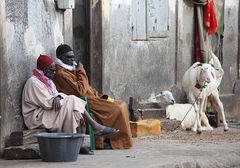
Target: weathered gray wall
[[134, 68], [184, 44], [81, 32], [87, 22], [31, 28], [139, 68], [230, 46], [2, 53], [96, 47]]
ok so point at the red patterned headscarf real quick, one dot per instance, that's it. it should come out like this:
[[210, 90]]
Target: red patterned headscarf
[[43, 62]]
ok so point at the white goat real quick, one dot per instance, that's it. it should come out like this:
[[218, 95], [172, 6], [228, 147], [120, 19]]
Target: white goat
[[200, 82], [181, 112], [165, 98]]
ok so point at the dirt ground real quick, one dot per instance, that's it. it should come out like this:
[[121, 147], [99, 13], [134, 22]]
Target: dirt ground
[[180, 148], [216, 136], [171, 149]]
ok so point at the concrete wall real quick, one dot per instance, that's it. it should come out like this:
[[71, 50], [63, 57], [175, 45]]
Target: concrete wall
[[184, 44], [27, 28], [139, 68], [96, 44], [2, 53], [230, 46], [87, 23], [81, 32], [134, 68]]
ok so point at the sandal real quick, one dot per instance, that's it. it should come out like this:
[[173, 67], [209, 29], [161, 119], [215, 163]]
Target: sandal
[[86, 151], [106, 131]]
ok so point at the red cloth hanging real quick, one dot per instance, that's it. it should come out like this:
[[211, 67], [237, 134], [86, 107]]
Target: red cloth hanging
[[197, 52], [210, 20]]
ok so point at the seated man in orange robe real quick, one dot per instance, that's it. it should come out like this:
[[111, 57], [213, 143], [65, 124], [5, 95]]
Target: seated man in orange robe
[[71, 79]]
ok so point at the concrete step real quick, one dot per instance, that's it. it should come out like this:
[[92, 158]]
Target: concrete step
[[231, 105], [156, 113], [24, 137], [30, 151]]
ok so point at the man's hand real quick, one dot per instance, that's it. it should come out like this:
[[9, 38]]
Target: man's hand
[[56, 105], [79, 65]]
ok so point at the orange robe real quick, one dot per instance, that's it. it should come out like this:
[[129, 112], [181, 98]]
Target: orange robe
[[112, 114]]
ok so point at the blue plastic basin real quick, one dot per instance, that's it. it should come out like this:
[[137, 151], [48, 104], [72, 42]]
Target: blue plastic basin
[[59, 147]]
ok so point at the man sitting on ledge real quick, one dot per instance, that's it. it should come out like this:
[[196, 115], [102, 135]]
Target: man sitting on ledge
[[44, 107], [71, 79]]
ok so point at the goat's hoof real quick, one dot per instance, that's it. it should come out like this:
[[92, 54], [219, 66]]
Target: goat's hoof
[[210, 128], [199, 132], [226, 129]]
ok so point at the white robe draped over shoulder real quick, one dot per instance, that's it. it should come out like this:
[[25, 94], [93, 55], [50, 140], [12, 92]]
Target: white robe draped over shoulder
[[38, 113]]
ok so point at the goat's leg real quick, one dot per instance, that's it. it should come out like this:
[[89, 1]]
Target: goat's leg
[[204, 118], [194, 128], [219, 106], [197, 126], [197, 110], [199, 116], [202, 103]]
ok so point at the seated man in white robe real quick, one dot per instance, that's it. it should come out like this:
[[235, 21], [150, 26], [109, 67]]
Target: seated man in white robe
[[44, 107]]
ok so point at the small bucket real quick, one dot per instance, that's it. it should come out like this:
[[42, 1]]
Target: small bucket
[[59, 147]]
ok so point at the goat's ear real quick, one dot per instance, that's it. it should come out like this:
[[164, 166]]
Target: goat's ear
[[214, 67], [211, 61], [198, 65]]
